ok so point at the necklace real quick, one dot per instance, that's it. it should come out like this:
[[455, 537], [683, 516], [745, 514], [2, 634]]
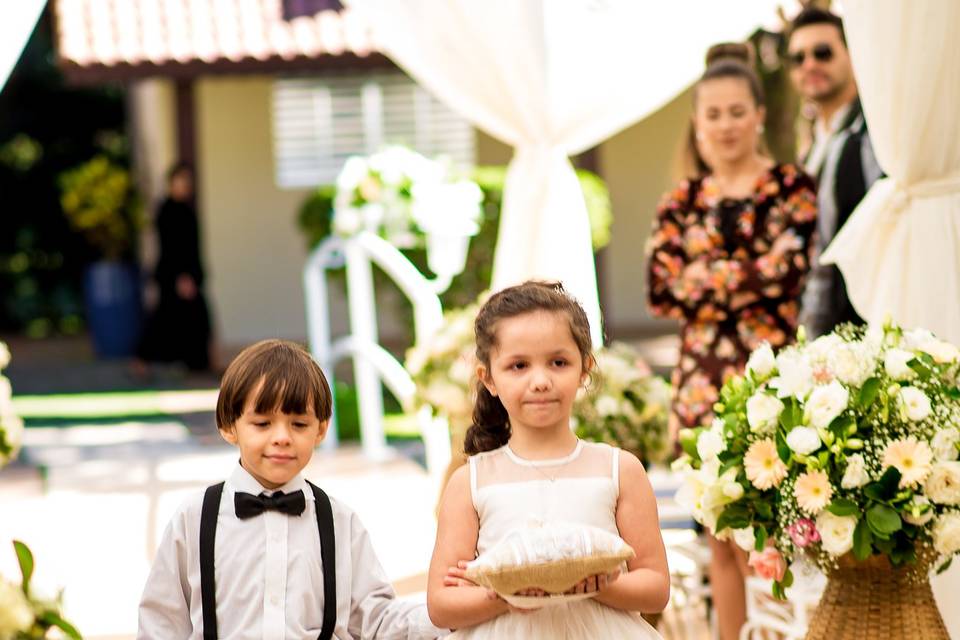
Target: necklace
[[566, 460]]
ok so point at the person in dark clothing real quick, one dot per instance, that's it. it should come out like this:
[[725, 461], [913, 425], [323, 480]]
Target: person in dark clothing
[[841, 156], [178, 330]]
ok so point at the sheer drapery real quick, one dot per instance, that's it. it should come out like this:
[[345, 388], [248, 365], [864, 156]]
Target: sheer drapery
[[553, 79], [900, 250], [17, 20]]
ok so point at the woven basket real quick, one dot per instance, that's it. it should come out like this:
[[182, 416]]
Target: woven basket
[[871, 600]]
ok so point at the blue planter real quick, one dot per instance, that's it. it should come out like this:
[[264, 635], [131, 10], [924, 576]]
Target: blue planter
[[112, 295]]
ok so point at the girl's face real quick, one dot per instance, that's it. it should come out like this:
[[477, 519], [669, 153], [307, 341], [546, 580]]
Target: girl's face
[[535, 369], [727, 120]]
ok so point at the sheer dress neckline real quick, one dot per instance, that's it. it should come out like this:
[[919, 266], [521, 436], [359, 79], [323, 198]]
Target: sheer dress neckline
[[544, 463]]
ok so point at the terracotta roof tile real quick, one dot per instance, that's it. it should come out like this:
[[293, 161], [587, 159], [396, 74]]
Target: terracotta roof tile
[[108, 33]]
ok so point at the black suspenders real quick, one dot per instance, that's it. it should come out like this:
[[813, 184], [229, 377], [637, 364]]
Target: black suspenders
[[208, 535]]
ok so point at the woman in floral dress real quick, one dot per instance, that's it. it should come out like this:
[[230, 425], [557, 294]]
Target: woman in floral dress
[[728, 257]]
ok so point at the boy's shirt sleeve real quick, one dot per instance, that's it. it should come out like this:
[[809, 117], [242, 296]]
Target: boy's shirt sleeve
[[165, 605], [375, 610]]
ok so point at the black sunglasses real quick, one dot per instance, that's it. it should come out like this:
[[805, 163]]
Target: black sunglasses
[[820, 53]]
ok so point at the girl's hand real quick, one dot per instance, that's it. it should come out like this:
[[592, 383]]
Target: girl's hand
[[595, 583], [457, 576]]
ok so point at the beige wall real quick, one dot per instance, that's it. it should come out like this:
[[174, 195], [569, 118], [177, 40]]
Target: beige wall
[[254, 252], [253, 249], [638, 165]]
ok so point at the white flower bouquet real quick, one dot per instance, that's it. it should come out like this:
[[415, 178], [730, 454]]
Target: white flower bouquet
[[11, 426], [402, 196], [847, 444], [443, 369], [24, 616], [626, 405]]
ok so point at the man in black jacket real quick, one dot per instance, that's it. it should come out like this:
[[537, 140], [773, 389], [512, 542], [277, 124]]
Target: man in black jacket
[[841, 156]]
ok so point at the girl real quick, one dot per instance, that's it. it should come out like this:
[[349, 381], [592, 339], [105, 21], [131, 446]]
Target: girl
[[728, 258], [533, 350]]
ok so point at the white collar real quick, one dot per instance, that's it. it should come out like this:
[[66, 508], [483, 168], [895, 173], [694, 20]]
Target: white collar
[[241, 480], [831, 127]]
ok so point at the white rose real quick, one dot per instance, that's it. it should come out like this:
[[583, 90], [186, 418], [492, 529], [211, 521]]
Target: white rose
[[943, 484], [746, 539], [836, 532], [347, 221], [795, 375], [354, 170], [946, 534], [763, 411], [895, 363], [851, 363], [15, 613], [940, 351], [607, 406], [4, 355], [710, 444], [916, 338], [821, 348], [873, 338], [923, 340], [803, 440], [944, 444], [762, 361], [916, 404], [918, 511], [856, 473], [826, 403], [733, 490]]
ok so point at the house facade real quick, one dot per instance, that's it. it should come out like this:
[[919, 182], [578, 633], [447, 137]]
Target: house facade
[[267, 99]]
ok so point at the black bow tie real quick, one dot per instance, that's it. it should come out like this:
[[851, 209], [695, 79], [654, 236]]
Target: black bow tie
[[248, 505]]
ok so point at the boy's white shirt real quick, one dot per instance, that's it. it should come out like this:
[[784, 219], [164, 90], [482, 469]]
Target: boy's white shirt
[[269, 577]]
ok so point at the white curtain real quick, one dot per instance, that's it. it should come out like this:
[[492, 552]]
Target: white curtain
[[900, 250], [553, 78], [17, 20]]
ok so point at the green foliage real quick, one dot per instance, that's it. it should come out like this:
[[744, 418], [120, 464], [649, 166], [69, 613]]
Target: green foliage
[[100, 203], [33, 617]]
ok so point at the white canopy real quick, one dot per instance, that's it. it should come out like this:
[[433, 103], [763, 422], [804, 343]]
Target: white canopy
[[900, 250], [554, 79], [17, 20]]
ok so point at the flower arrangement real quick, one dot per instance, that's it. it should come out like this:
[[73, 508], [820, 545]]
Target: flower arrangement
[[24, 616], [443, 369], [99, 201], [401, 195], [846, 444], [11, 426], [627, 407]]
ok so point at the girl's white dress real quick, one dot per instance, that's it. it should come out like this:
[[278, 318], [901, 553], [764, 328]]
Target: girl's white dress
[[583, 488]]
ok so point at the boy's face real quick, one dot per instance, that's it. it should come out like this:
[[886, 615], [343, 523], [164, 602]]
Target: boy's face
[[274, 446]]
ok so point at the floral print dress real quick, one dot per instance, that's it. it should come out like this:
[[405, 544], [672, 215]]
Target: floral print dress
[[716, 265]]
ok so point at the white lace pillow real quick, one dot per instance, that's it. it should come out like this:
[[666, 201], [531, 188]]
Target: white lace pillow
[[552, 556]]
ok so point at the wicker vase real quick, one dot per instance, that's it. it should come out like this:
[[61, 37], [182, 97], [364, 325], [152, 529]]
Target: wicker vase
[[871, 600]]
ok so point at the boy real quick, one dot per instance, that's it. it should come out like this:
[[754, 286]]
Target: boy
[[259, 555]]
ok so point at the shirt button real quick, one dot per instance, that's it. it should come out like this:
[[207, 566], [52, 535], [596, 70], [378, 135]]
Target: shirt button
[[275, 600]]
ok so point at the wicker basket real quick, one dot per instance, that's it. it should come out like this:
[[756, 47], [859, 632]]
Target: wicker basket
[[871, 600]]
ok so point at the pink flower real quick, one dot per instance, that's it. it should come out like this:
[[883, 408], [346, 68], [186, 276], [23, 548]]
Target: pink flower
[[768, 564], [803, 532]]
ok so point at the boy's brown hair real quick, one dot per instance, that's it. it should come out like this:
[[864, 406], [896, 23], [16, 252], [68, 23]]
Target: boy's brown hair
[[292, 383]]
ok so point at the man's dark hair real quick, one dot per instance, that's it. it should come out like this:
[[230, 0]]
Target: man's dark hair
[[815, 15]]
